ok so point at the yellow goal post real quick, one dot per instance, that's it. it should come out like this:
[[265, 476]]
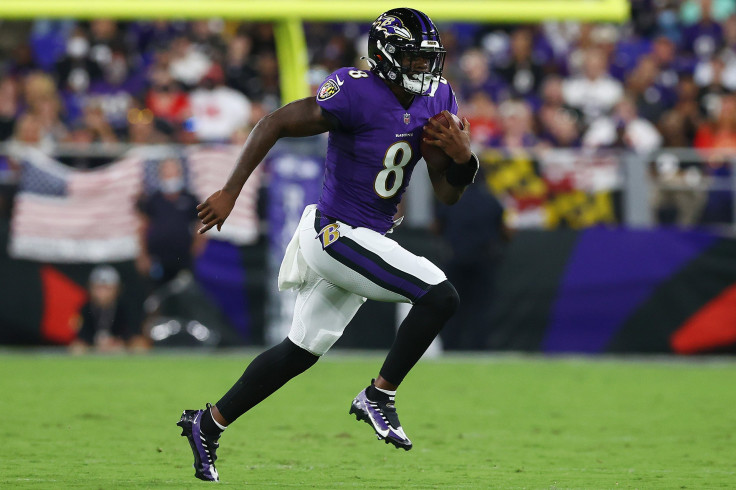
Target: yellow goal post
[[288, 15]]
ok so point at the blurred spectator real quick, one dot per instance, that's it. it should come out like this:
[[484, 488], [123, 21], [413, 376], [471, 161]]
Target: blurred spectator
[[206, 36], [42, 100], [693, 11], [149, 37], [103, 323], [240, 70], [600, 38], [719, 132], [705, 36], [561, 129], [516, 126], [143, 129], [673, 128], [561, 36], [472, 262], [77, 70], [641, 85], [475, 66], [166, 99], [595, 92], [168, 237], [268, 68], [520, 70], [28, 130], [604, 38], [104, 34], [624, 129], [21, 60], [729, 37], [664, 55], [9, 169], [9, 106], [678, 194], [92, 129], [688, 107], [217, 110], [116, 91], [337, 51], [188, 63], [480, 111], [644, 17], [556, 121]]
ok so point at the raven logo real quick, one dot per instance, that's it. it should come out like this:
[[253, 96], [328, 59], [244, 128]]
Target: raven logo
[[329, 88], [393, 26]]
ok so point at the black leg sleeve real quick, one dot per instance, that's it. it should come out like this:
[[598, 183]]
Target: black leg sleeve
[[264, 375], [418, 330]]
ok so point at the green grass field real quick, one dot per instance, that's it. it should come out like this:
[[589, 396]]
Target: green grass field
[[483, 422]]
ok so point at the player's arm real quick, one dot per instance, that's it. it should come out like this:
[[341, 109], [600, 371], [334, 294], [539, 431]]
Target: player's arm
[[449, 184], [299, 118]]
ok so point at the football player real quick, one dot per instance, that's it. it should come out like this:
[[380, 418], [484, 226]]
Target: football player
[[340, 254]]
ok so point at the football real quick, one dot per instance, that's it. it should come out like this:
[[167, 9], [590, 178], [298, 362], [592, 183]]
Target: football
[[434, 156]]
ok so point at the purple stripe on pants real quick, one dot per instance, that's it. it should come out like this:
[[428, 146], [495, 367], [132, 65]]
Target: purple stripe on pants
[[407, 289]]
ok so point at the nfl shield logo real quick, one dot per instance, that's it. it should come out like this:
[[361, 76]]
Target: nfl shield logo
[[407, 118]]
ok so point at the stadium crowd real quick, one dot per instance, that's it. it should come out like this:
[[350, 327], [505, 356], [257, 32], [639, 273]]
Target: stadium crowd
[[666, 78]]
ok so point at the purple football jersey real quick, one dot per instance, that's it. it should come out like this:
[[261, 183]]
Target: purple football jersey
[[371, 156]]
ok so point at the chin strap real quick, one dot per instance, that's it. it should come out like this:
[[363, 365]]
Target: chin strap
[[371, 62]]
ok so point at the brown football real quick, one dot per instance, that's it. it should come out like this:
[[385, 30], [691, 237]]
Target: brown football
[[434, 156]]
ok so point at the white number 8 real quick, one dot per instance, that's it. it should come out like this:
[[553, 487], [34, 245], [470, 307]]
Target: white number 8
[[397, 156]]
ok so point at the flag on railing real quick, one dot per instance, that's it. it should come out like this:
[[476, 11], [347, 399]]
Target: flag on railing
[[63, 214], [67, 215]]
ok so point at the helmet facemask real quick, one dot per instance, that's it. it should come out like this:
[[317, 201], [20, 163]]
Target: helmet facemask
[[418, 71]]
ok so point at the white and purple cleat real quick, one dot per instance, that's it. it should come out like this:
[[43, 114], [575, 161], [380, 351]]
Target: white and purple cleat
[[382, 416], [203, 447]]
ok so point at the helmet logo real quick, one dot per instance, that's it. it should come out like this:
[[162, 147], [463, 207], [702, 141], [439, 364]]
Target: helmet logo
[[393, 26]]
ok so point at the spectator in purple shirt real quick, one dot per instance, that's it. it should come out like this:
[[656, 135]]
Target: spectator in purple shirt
[[705, 36]]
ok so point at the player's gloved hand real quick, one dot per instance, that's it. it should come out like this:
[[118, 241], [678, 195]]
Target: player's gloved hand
[[454, 141], [215, 210]]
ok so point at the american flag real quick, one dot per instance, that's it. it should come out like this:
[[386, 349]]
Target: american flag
[[67, 215], [209, 168]]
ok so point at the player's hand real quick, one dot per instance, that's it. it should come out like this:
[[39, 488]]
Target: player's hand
[[454, 141], [215, 210]]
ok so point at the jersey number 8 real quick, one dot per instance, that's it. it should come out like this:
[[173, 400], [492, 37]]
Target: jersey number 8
[[389, 180]]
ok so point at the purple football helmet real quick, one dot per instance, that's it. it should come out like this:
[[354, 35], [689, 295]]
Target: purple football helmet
[[396, 40]]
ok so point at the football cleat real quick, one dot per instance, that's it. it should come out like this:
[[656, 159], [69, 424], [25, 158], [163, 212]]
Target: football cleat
[[382, 416], [203, 447]]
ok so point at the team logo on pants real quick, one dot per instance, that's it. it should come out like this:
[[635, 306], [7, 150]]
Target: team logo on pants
[[329, 234]]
